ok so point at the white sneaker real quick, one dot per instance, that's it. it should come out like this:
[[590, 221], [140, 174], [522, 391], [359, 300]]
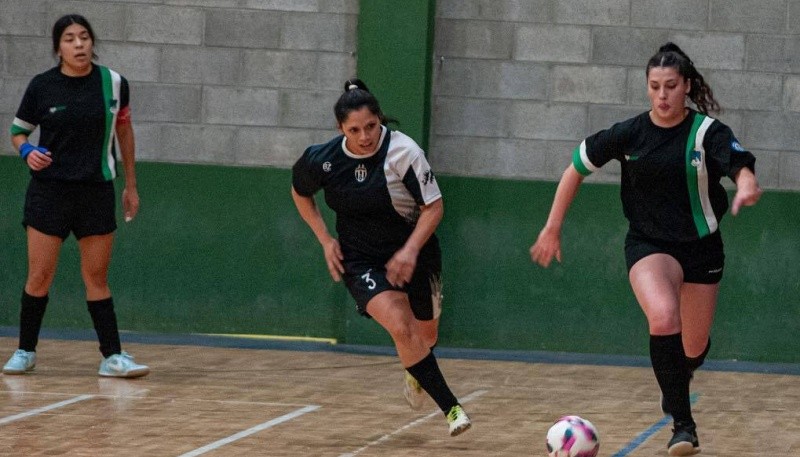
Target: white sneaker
[[414, 393], [122, 366], [20, 362], [458, 420]]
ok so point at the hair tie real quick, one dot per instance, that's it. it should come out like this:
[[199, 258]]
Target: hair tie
[[352, 87]]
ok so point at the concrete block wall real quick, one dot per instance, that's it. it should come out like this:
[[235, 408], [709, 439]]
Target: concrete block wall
[[230, 82], [517, 84]]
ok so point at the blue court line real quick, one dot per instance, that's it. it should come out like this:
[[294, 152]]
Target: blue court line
[[642, 437], [183, 339]]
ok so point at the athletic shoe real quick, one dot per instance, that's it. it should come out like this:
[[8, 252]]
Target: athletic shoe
[[122, 366], [415, 395], [684, 440], [20, 362], [458, 420]]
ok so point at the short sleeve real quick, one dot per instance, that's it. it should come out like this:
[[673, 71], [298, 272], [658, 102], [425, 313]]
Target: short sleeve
[[124, 93], [598, 149], [420, 180], [726, 151], [27, 117], [304, 181]]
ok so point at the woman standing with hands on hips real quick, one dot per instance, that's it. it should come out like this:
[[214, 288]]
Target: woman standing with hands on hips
[[673, 158], [387, 206], [80, 109]]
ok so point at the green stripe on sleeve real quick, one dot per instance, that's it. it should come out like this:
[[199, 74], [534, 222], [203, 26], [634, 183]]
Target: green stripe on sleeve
[[577, 160]]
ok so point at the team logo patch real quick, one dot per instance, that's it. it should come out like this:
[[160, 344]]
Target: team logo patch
[[326, 167], [736, 146], [696, 159], [361, 173], [428, 177]]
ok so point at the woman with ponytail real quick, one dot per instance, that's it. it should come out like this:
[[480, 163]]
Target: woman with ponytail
[[387, 206], [673, 158]]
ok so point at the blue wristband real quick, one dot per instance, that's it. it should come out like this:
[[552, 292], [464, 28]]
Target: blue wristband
[[25, 149]]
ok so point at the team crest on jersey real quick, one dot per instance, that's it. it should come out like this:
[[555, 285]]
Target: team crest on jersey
[[361, 173], [736, 146], [696, 159], [326, 167]]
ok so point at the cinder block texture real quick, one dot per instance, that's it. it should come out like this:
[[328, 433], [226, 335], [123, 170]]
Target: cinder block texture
[[754, 16], [578, 66], [516, 83]]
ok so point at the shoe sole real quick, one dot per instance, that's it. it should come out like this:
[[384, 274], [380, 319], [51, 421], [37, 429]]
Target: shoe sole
[[463, 428], [17, 372], [128, 375], [683, 449]]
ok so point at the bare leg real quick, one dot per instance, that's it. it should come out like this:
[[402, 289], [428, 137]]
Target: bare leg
[[95, 259]]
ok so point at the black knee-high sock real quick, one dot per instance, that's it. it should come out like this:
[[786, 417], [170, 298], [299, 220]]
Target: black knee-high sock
[[427, 373], [696, 362], [105, 324], [31, 313], [672, 373]]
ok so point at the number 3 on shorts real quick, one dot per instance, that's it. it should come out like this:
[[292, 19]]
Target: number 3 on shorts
[[370, 282]]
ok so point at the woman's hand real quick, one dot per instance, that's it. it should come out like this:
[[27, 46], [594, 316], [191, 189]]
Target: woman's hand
[[39, 159], [547, 246], [334, 257], [747, 190], [130, 203], [400, 268]]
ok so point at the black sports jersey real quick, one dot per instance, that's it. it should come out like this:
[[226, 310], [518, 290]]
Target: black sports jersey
[[671, 186], [376, 198], [76, 117]]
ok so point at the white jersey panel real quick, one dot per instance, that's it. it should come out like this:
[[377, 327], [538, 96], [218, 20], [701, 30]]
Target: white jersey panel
[[405, 155]]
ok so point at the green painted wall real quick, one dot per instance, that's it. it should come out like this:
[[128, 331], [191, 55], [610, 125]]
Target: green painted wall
[[395, 59], [222, 250]]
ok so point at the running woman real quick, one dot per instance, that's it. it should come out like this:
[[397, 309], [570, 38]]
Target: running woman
[[673, 158], [80, 109], [387, 206]]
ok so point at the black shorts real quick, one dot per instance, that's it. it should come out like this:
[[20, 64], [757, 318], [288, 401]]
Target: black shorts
[[366, 279], [60, 207], [702, 260]]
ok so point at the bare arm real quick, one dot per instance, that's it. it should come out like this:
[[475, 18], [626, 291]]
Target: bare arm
[[400, 268], [127, 147], [309, 211], [548, 243], [747, 190]]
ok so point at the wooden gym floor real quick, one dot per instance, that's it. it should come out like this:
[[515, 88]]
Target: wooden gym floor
[[221, 401]]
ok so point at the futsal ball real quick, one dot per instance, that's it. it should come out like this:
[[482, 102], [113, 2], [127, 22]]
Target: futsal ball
[[572, 436]]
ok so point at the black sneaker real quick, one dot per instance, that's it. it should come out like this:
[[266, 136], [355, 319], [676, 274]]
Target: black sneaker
[[684, 440]]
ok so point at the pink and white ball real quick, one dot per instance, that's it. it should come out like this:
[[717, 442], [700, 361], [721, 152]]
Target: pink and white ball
[[572, 436]]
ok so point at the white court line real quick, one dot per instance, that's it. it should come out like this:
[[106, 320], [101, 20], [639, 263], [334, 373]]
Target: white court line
[[250, 431], [44, 409], [388, 436]]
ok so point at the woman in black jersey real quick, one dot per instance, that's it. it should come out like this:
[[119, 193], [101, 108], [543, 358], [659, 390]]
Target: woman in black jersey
[[80, 109], [673, 158], [387, 206]]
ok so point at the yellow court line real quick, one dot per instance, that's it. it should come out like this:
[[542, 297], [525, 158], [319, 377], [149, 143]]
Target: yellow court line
[[309, 339]]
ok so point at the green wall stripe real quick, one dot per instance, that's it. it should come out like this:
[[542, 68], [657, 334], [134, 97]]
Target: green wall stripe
[[240, 260], [395, 60]]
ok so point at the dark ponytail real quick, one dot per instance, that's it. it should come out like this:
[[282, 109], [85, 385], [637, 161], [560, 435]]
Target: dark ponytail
[[671, 56], [356, 96]]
